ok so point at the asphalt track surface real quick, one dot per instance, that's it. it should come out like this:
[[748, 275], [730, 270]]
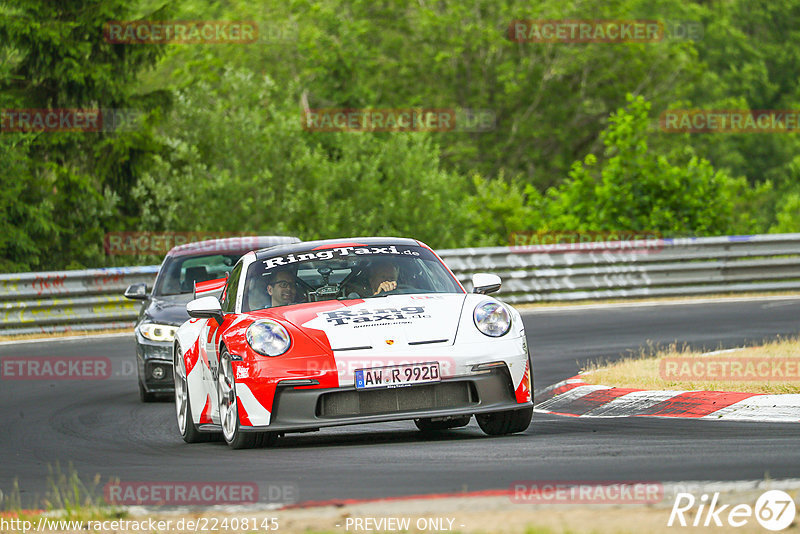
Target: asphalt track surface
[[100, 427]]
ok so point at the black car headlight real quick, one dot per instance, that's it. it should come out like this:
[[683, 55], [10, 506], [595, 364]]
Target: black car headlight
[[268, 338], [492, 319], [158, 332]]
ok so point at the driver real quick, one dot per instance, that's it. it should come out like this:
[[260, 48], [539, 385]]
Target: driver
[[382, 277], [281, 286]]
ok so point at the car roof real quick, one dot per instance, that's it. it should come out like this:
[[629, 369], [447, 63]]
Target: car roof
[[231, 245], [331, 243]]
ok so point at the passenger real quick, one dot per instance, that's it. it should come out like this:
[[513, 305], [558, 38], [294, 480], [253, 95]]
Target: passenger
[[282, 288]]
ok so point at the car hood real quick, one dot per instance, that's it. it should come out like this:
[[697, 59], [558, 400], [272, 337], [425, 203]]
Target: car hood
[[376, 322], [168, 309]]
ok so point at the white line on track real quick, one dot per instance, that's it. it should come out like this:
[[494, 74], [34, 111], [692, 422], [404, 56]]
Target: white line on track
[[657, 303], [67, 338]]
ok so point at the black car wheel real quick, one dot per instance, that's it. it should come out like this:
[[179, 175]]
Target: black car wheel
[[144, 395]]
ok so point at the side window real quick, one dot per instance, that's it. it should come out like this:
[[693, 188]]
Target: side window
[[231, 289]]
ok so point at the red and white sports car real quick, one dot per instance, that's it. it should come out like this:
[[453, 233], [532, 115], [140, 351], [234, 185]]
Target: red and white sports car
[[339, 332]]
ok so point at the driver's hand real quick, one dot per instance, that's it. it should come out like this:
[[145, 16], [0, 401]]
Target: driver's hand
[[387, 286]]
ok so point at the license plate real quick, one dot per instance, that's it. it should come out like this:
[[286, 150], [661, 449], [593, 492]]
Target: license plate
[[397, 375]]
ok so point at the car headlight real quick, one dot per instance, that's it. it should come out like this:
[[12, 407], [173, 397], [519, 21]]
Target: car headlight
[[158, 332], [492, 319], [268, 338]]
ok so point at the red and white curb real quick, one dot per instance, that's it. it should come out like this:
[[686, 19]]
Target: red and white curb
[[574, 397]]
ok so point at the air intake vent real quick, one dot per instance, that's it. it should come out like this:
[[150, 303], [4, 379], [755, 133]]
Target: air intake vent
[[382, 401]]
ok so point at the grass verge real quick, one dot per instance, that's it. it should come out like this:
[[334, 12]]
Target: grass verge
[[771, 368], [67, 497]]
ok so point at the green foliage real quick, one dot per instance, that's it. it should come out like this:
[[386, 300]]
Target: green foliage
[[253, 168], [788, 218], [25, 218], [637, 189], [220, 146], [497, 209], [76, 184]]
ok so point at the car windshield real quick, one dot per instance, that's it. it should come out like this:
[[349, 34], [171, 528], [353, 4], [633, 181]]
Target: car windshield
[[345, 272], [179, 273]]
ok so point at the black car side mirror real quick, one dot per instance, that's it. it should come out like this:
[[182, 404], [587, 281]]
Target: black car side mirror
[[136, 292]]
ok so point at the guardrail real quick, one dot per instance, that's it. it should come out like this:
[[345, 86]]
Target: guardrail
[[60, 301], [92, 299], [638, 268]]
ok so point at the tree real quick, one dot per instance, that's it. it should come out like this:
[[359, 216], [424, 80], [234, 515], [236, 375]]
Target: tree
[[56, 58], [242, 162], [636, 189]]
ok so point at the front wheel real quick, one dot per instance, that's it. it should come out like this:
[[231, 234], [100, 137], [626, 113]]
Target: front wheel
[[508, 421], [229, 411], [505, 422]]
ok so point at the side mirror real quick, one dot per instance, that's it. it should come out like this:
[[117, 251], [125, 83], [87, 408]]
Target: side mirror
[[484, 283], [136, 292], [205, 307]]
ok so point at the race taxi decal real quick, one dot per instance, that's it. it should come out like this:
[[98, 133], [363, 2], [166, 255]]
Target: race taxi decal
[[395, 317], [374, 316]]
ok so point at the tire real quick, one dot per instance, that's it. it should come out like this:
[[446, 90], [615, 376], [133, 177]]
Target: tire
[[229, 411], [144, 395], [183, 406], [505, 422], [508, 421], [428, 425]]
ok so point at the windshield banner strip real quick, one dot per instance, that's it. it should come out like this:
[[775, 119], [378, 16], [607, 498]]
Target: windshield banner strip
[[337, 252]]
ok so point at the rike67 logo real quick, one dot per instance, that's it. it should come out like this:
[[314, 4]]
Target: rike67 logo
[[774, 510]]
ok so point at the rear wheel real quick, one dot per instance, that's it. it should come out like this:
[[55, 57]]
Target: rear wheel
[[183, 407], [229, 411], [434, 425]]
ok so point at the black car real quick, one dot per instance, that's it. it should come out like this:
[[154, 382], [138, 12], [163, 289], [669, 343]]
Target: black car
[[164, 308]]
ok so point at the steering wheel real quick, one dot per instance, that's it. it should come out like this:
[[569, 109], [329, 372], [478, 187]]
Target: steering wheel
[[398, 287]]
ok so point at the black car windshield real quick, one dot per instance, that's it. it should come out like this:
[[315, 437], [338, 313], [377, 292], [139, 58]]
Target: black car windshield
[[345, 272], [179, 273]]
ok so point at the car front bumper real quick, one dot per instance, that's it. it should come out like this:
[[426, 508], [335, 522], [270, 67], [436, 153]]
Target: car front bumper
[[149, 356], [301, 408]]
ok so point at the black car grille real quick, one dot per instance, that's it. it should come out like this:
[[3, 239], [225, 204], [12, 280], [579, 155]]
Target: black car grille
[[405, 399]]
